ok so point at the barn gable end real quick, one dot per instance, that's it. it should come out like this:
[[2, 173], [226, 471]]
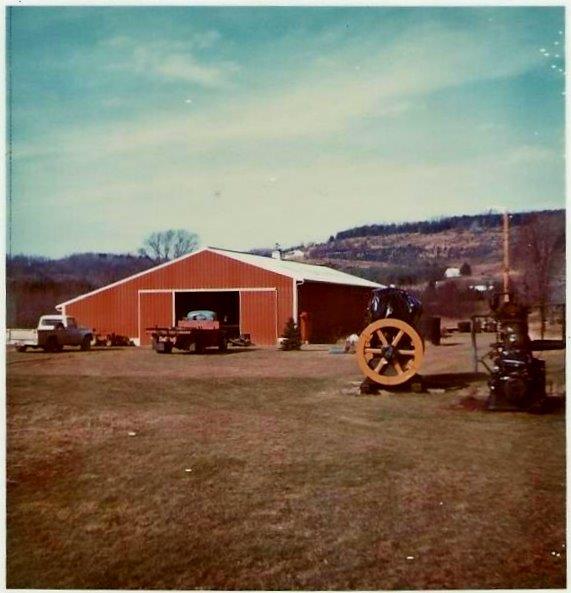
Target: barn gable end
[[266, 294]]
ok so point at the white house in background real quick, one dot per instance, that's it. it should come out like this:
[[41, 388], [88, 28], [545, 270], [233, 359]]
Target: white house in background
[[452, 273], [294, 254]]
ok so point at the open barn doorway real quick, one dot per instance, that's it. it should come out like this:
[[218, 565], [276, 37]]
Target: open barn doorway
[[226, 304]]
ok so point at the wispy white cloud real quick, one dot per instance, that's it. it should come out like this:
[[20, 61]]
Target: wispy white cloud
[[112, 102], [186, 68], [527, 153], [171, 60]]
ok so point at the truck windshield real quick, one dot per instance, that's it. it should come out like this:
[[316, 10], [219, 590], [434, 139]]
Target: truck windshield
[[51, 321]]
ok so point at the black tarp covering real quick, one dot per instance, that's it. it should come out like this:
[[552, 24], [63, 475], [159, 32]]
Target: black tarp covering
[[395, 303]]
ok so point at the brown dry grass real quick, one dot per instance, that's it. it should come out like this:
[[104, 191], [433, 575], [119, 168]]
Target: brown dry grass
[[294, 485]]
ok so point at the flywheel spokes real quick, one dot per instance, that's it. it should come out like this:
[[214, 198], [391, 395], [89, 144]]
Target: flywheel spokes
[[390, 351]]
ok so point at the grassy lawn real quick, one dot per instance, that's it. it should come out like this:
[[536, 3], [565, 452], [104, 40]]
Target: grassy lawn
[[293, 484]]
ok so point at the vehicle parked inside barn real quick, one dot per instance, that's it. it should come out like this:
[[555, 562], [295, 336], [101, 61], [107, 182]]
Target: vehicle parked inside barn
[[52, 334], [198, 330]]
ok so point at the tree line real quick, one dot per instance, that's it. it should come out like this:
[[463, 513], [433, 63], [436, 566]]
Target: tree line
[[35, 284], [437, 225]]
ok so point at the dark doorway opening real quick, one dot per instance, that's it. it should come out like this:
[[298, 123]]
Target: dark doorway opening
[[226, 304]]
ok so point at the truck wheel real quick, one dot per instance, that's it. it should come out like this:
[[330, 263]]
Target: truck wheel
[[199, 347], [86, 343], [223, 346], [168, 348], [21, 348], [52, 345]]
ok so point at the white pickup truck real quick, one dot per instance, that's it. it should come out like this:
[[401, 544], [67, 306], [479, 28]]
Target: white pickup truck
[[52, 334]]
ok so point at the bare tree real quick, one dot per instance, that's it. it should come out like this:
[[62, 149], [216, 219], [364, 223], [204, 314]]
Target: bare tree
[[165, 245], [540, 256]]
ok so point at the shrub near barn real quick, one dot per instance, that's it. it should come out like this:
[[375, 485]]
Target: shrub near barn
[[291, 337]]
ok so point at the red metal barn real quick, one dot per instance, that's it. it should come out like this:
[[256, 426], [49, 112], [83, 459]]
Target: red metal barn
[[258, 293]]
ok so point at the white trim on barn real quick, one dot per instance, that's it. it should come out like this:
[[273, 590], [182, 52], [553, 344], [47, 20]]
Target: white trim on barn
[[139, 316], [245, 288], [294, 301], [276, 315]]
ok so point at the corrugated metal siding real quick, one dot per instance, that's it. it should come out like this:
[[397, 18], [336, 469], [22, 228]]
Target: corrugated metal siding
[[258, 316], [115, 309], [334, 311], [155, 309]]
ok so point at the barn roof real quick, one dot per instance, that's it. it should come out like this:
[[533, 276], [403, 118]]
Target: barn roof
[[296, 270]]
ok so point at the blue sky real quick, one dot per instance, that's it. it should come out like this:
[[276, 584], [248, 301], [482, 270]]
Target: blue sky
[[252, 126]]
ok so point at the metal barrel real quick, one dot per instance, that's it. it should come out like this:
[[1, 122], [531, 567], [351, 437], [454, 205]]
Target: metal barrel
[[432, 330]]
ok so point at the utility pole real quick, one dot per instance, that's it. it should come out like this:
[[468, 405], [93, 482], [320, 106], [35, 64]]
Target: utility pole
[[506, 256]]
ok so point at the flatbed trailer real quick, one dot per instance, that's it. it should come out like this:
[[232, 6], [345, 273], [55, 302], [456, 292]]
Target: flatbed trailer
[[199, 330]]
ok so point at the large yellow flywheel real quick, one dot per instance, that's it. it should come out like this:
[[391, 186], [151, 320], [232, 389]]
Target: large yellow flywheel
[[390, 351]]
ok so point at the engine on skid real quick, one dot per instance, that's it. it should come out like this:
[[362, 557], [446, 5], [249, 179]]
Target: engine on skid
[[390, 349], [517, 378]]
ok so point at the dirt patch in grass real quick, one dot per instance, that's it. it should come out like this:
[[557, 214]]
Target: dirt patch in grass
[[137, 479], [470, 404]]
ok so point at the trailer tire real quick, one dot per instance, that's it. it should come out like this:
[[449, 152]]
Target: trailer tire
[[199, 347], [86, 343], [21, 348], [223, 346], [162, 347]]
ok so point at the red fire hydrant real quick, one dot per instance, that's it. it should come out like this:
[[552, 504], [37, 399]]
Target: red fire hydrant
[[304, 327]]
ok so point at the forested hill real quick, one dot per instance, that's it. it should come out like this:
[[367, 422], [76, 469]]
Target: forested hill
[[414, 253], [36, 284], [427, 227]]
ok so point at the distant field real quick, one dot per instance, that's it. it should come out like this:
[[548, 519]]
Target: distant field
[[294, 482]]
